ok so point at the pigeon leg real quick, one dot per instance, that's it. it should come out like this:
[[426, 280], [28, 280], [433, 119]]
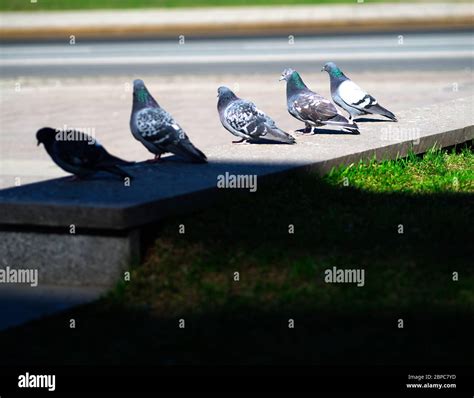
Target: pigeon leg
[[307, 129], [156, 159], [238, 141]]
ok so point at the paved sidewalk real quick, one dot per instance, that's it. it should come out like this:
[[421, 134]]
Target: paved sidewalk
[[104, 103], [234, 20]]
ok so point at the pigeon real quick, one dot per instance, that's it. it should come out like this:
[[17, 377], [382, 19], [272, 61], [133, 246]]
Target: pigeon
[[350, 97], [312, 108], [243, 119], [156, 129], [79, 153]]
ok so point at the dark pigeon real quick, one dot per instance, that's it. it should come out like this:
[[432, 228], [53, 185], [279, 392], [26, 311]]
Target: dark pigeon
[[79, 153], [351, 97], [156, 129], [243, 119], [312, 108]]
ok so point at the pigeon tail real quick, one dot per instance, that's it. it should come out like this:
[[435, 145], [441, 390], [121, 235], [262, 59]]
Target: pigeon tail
[[188, 151], [276, 134], [340, 120], [352, 130], [380, 110]]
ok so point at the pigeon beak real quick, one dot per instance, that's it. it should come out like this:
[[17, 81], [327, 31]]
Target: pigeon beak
[[322, 70], [281, 78], [38, 143]]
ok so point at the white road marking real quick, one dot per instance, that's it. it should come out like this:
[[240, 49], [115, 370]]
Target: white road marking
[[220, 59]]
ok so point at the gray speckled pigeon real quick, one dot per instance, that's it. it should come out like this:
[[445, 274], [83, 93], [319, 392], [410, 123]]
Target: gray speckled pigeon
[[311, 108], [156, 129], [79, 154], [243, 119], [351, 97]]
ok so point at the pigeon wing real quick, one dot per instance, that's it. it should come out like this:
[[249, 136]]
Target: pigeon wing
[[271, 131], [155, 124], [267, 119], [354, 96], [313, 107], [156, 127], [244, 118]]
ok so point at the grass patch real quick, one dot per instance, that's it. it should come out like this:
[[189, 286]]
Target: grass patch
[[26, 5], [436, 171], [191, 276]]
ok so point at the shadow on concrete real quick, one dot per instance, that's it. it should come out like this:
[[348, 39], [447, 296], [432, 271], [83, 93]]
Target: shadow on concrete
[[105, 202], [262, 142], [369, 120], [333, 132]]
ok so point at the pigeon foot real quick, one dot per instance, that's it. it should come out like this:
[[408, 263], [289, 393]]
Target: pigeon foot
[[156, 159], [306, 130]]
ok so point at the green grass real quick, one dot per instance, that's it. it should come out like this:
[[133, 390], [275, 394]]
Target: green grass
[[190, 276], [26, 5], [436, 171]]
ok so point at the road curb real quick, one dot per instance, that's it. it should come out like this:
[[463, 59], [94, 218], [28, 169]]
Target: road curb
[[228, 22], [234, 30]]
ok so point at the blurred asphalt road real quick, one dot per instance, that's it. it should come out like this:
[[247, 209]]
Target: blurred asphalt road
[[387, 51]]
